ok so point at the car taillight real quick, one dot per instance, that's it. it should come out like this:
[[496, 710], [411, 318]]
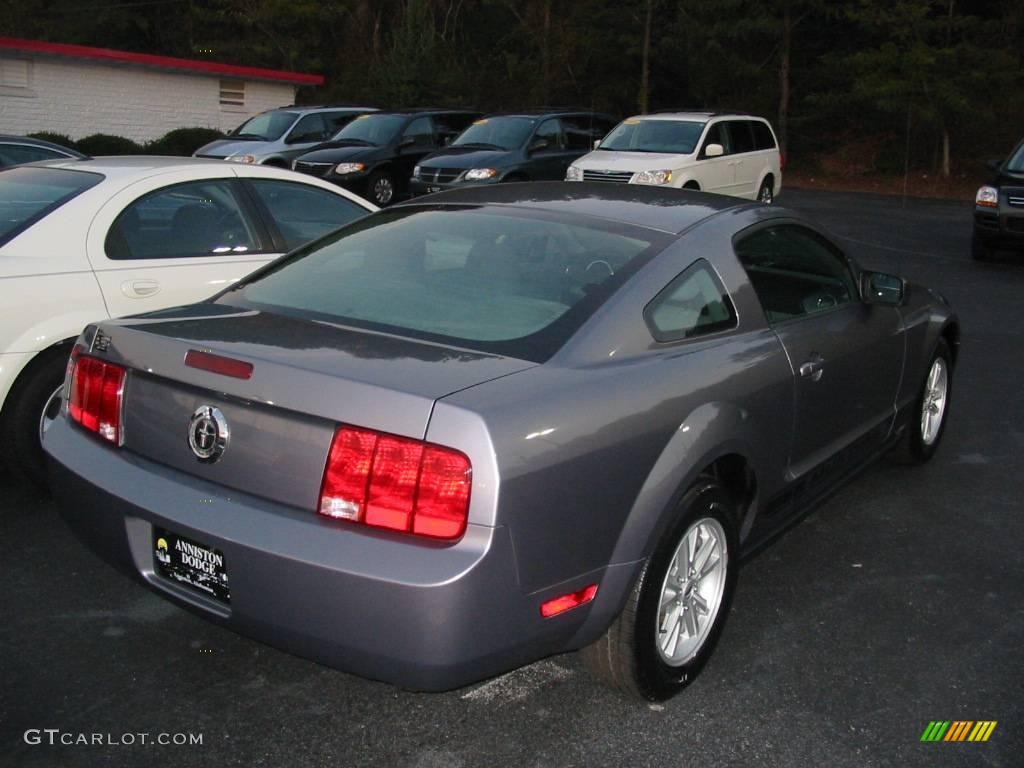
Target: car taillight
[[94, 398], [397, 483]]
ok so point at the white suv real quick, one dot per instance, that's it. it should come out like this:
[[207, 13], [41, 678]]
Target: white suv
[[731, 154]]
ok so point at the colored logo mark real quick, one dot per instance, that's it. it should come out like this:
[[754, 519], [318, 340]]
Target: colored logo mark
[[958, 730]]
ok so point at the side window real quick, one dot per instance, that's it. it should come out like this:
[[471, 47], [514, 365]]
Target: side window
[[337, 120], [582, 130], [198, 218], [716, 135], [309, 128], [795, 272], [694, 304], [763, 138], [303, 213], [15, 154], [551, 131], [421, 131], [742, 138], [450, 126]]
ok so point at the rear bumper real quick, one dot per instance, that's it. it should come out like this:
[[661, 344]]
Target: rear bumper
[[422, 616]]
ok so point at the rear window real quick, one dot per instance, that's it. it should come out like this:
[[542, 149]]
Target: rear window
[[29, 194], [495, 281], [763, 138]]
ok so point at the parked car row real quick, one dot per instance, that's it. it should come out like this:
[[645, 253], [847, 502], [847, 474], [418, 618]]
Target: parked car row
[[385, 156]]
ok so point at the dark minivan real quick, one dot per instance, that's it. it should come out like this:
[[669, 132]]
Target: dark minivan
[[999, 208], [375, 154], [519, 146]]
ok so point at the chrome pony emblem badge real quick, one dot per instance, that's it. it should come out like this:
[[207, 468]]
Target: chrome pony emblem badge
[[208, 433]]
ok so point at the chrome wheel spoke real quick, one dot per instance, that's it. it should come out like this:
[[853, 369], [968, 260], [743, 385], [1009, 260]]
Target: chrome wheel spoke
[[699, 603]]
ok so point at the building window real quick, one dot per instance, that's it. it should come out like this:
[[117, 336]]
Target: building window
[[232, 93], [16, 77]]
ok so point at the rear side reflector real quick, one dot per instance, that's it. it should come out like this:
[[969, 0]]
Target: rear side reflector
[[393, 482], [95, 395], [567, 602], [225, 366]]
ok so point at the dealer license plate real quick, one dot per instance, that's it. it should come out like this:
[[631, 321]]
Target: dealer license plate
[[190, 563], [433, 189]]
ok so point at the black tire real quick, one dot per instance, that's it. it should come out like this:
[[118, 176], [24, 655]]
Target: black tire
[[380, 188], [23, 410], [766, 192], [980, 251], [913, 448], [627, 656]]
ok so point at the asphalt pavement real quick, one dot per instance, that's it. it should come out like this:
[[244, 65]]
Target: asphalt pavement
[[898, 602]]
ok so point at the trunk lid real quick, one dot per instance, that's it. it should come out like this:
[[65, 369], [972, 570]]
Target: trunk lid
[[307, 377]]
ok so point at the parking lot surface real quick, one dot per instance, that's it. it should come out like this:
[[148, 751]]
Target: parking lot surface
[[898, 602]]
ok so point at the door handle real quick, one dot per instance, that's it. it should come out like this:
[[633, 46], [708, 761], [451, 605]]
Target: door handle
[[813, 369], [139, 289]]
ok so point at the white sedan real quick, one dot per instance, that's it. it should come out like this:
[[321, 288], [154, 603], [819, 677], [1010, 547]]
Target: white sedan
[[84, 240]]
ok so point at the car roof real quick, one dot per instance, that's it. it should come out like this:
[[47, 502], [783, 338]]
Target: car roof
[[536, 114], [117, 166], [699, 116], [8, 139], [658, 208]]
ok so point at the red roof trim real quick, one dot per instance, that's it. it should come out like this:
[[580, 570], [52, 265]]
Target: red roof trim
[[159, 62]]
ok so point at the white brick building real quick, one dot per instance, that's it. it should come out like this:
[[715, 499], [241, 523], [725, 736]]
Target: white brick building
[[78, 91]]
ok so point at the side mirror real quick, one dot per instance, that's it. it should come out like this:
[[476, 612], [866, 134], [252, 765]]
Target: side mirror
[[880, 288], [597, 143], [538, 145], [714, 150], [994, 164], [408, 141]]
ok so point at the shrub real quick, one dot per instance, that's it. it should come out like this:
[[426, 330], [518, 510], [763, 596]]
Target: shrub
[[105, 144], [182, 141], [54, 138]]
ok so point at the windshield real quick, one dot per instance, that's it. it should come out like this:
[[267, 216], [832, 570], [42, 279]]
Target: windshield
[[497, 132], [1016, 162], [376, 130], [670, 137], [29, 194], [512, 283], [269, 126]]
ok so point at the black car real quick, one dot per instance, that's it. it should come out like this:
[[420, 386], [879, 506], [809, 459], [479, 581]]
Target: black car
[[999, 208], [15, 150], [375, 154], [519, 146]]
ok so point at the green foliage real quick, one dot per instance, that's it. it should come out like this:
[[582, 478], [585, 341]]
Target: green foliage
[[182, 141], [54, 138], [105, 144]]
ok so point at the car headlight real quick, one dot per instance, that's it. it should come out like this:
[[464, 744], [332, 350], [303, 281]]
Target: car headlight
[[652, 177], [574, 174], [987, 197], [478, 174], [242, 158], [416, 171], [342, 168]]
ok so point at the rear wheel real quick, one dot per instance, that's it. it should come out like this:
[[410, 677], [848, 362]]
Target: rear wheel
[[34, 403], [766, 194], [676, 611], [928, 420]]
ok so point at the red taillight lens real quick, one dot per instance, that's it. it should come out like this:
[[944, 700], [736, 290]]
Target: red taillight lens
[[94, 399], [563, 603], [397, 483]]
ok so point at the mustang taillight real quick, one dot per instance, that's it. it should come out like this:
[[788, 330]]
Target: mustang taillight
[[94, 397], [393, 482]]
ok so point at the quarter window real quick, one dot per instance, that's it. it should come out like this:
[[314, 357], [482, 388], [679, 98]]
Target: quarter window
[[795, 272], [199, 218], [763, 138], [694, 304], [304, 213]]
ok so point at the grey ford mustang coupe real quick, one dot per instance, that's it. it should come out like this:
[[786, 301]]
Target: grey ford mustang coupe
[[495, 424]]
